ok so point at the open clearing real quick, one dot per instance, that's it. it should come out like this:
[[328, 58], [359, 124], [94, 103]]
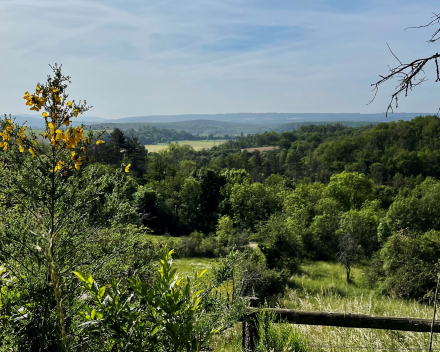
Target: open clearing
[[321, 286], [197, 145]]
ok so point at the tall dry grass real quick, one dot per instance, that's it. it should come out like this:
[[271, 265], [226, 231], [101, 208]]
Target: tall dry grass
[[321, 286]]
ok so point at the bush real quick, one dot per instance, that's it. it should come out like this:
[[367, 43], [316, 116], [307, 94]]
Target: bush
[[198, 245], [406, 265], [281, 245], [170, 314], [262, 282]]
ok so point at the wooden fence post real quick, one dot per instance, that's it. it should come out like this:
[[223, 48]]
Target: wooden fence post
[[250, 335]]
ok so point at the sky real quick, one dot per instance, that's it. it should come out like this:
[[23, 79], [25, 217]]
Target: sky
[[145, 57]]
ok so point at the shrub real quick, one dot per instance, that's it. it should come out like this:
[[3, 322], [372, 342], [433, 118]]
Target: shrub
[[281, 245], [406, 265], [198, 245], [172, 314], [261, 281]]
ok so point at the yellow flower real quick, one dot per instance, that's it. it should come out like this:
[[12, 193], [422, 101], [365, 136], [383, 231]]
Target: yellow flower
[[5, 146], [44, 114], [20, 147], [1, 144], [100, 142], [51, 127], [78, 162], [21, 133], [69, 104], [83, 149], [59, 134], [73, 156], [67, 123], [6, 136], [75, 112], [34, 101], [127, 168], [59, 165], [35, 142]]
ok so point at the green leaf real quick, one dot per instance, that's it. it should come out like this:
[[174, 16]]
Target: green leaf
[[89, 279], [101, 293], [79, 276]]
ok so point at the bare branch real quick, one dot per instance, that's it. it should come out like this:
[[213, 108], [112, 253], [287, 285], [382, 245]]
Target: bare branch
[[408, 75], [435, 20], [400, 62]]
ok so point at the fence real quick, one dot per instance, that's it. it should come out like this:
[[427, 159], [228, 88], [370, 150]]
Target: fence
[[250, 325]]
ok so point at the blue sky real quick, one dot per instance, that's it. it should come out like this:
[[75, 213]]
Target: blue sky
[[142, 57]]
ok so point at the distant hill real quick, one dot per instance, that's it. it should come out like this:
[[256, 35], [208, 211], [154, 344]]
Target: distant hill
[[201, 127], [233, 124], [221, 128], [36, 121], [269, 118]]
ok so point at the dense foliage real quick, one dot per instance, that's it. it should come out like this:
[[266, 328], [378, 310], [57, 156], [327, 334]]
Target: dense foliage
[[323, 192]]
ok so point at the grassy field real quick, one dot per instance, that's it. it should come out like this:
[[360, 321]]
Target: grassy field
[[187, 266], [197, 145], [321, 286]]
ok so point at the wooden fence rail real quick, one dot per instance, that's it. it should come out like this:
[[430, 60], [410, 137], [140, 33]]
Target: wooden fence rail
[[346, 320]]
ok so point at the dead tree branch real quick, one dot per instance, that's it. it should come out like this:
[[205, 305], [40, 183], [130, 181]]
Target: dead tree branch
[[411, 74]]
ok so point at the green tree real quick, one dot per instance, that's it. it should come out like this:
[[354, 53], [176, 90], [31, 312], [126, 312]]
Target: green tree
[[350, 189], [189, 197], [280, 243], [362, 225], [252, 203], [417, 212], [225, 231], [405, 266], [212, 184]]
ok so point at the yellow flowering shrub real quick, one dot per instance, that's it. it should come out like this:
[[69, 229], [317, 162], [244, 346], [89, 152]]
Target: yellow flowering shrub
[[67, 144], [35, 178]]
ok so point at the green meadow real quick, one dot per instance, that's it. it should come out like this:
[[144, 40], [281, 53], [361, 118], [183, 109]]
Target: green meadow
[[321, 286], [197, 145]]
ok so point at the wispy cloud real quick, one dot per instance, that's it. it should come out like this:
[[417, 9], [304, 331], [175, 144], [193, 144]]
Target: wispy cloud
[[137, 57]]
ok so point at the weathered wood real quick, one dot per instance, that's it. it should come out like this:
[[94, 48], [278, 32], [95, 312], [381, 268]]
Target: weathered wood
[[349, 320], [250, 328]]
